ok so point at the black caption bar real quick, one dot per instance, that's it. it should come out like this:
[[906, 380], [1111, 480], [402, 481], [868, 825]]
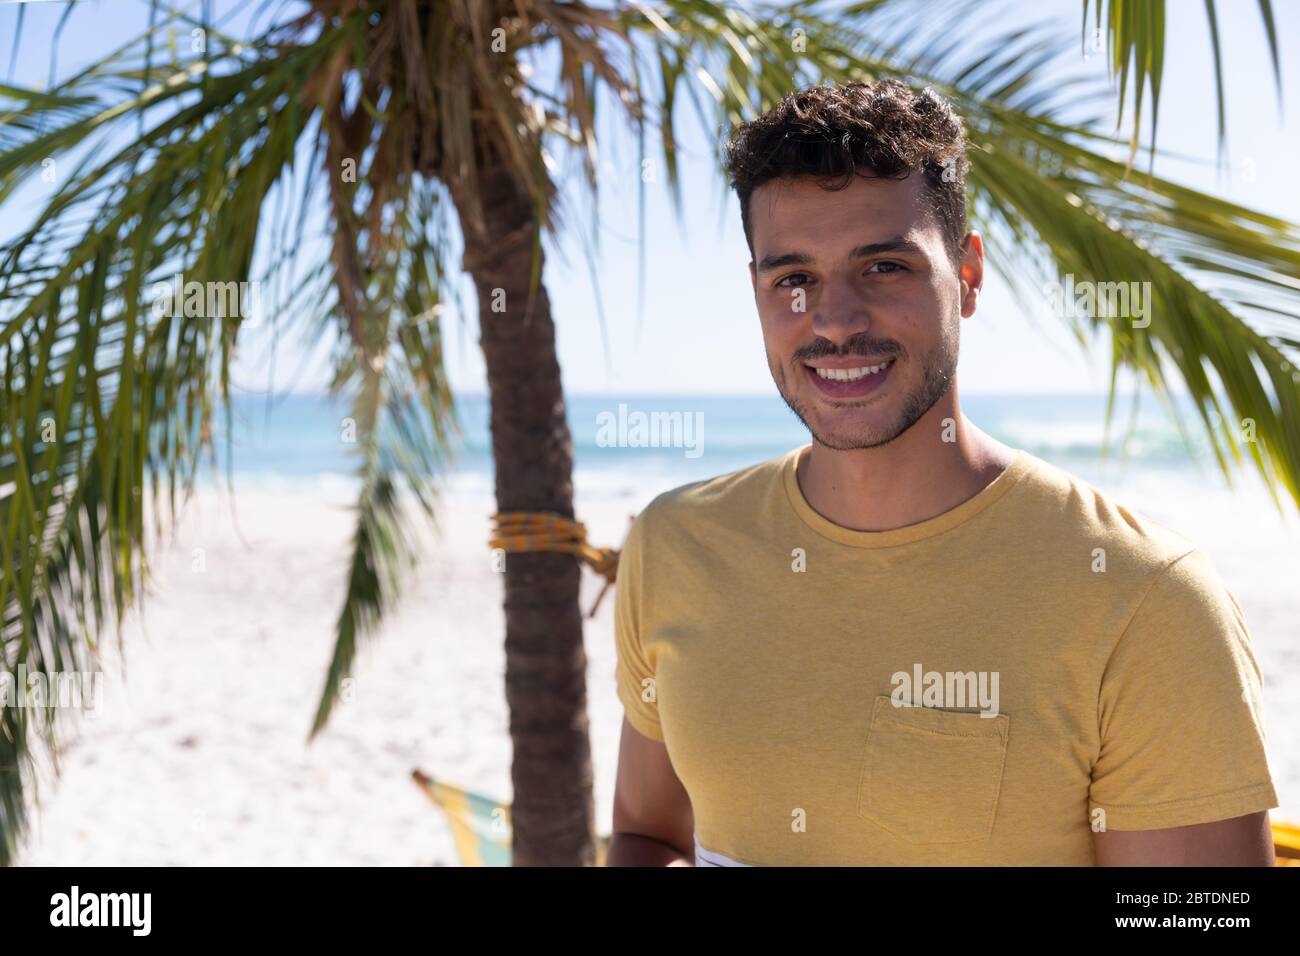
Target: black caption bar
[[332, 906]]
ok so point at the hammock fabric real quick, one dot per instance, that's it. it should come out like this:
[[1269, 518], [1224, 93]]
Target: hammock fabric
[[480, 826]]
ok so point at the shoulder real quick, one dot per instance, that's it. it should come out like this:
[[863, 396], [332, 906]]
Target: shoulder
[[722, 499], [1174, 610], [1071, 514]]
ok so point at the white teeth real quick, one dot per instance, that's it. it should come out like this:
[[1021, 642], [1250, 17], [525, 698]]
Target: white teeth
[[852, 374]]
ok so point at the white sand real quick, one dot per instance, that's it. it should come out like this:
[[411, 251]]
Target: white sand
[[199, 756]]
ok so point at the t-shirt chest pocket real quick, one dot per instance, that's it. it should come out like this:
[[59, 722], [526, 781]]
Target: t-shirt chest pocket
[[932, 776]]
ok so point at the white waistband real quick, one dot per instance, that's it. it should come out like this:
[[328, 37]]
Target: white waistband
[[705, 857]]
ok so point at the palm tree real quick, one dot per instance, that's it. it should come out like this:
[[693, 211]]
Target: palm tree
[[339, 156]]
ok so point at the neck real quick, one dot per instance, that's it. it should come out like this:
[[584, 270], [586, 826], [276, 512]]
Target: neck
[[915, 477]]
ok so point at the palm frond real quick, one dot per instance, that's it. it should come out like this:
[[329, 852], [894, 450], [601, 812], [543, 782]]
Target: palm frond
[[103, 392], [1055, 200], [1135, 32], [403, 417]]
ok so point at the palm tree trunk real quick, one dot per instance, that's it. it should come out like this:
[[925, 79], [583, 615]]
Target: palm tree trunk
[[546, 664]]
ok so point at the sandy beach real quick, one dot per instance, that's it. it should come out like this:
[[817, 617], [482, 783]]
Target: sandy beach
[[198, 754]]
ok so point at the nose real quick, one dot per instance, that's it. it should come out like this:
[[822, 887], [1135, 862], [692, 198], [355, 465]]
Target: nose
[[840, 312]]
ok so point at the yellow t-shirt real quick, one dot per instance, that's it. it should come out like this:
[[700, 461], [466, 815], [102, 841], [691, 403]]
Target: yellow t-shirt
[[1108, 674]]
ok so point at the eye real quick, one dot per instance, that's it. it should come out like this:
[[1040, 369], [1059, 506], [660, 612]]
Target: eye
[[784, 282], [886, 268]]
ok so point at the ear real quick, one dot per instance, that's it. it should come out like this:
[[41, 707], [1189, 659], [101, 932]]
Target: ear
[[971, 272], [753, 277]]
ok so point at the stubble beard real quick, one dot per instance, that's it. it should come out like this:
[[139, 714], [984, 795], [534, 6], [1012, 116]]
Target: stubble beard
[[938, 367]]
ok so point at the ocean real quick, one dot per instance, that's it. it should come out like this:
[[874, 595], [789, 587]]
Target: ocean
[[286, 439]]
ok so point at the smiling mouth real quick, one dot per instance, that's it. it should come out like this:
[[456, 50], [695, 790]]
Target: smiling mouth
[[851, 374], [850, 382]]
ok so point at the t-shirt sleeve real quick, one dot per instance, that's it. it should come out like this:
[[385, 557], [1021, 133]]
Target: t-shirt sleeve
[[635, 672], [1180, 709]]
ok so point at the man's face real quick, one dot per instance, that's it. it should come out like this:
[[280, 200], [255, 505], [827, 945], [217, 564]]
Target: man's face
[[852, 280]]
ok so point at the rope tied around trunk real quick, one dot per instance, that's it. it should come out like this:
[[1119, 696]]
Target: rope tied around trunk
[[516, 531]]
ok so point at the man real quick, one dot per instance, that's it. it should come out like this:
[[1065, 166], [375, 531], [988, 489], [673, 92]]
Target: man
[[908, 643]]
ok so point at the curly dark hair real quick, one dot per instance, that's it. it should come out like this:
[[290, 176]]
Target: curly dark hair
[[832, 133]]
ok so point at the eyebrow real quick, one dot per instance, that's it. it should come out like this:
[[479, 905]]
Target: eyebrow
[[897, 244]]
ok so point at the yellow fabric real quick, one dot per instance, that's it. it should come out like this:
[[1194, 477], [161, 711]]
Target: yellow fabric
[[1127, 686]]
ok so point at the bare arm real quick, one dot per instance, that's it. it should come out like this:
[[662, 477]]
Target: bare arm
[[1240, 841], [653, 821]]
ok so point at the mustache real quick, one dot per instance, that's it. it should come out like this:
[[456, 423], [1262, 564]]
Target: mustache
[[858, 345]]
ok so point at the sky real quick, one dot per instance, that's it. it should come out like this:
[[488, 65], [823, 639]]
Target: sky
[[700, 332]]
